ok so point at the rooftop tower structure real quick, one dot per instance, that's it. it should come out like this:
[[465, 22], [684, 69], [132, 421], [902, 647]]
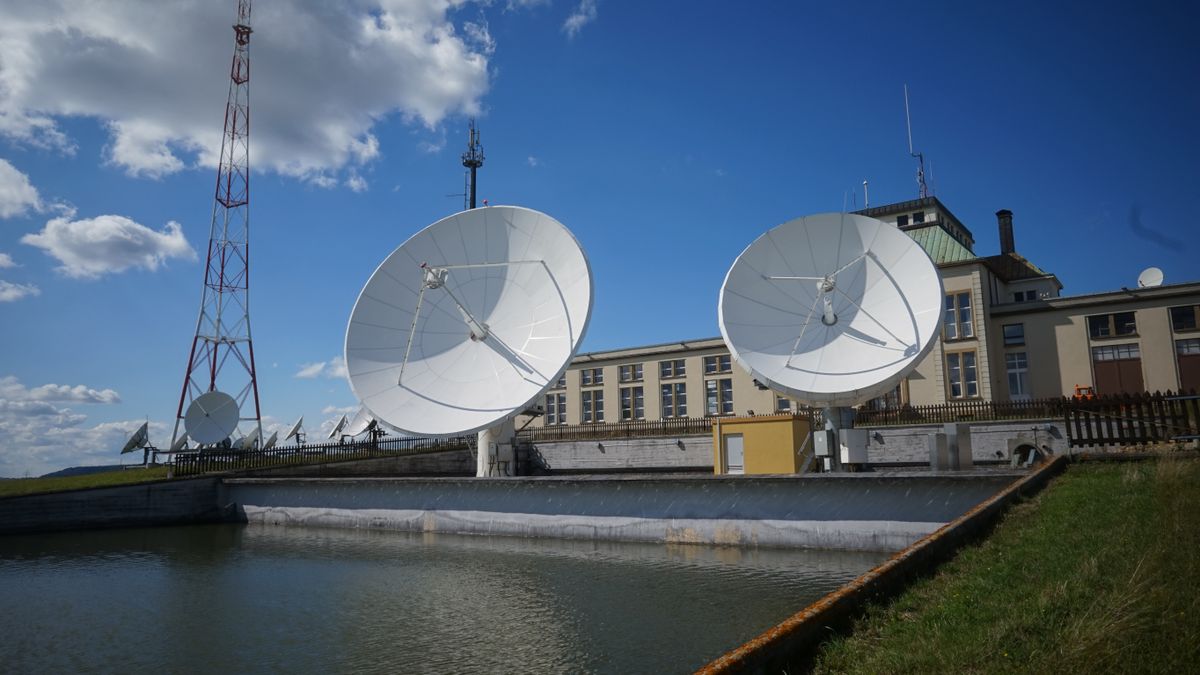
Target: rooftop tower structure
[[472, 159]]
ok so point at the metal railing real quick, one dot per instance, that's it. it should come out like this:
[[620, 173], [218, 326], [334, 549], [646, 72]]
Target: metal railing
[[1134, 419], [208, 461], [963, 411]]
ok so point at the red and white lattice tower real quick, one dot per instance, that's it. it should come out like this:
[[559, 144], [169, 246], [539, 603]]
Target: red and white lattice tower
[[222, 356]]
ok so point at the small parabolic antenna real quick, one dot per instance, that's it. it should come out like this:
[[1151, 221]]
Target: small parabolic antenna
[[469, 321], [180, 443], [138, 440], [211, 418], [248, 442], [361, 421], [294, 432], [1150, 277], [337, 428], [831, 309], [271, 440]]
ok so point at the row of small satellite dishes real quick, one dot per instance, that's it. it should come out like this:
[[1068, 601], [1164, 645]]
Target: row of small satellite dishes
[[468, 323], [141, 438]]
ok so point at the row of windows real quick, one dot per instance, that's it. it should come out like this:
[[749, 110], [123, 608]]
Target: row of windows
[[634, 372], [673, 396], [1116, 352], [918, 217]]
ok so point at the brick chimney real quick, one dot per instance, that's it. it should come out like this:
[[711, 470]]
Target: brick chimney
[[1004, 218]]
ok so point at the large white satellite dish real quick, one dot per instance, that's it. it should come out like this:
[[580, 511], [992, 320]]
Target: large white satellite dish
[[469, 321], [831, 309], [211, 418], [1150, 277]]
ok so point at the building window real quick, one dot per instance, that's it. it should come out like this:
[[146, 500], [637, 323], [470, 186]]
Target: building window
[[716, 364], [782, 404], [1191, 346], [633, 404], [1025, 296], [593, 406], [556, 409], [1116, 352], [901, 221], [1018, 371], [631, 373], [590, 376], [1184, 318], [674, 400], [669, 369], [718, 396], [560, 383], [889, 401], [1112, 325], [961, 375], [918, 217], [1014, 334], [958, 321]]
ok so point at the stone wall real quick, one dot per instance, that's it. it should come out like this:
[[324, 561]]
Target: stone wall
[[989, 440]]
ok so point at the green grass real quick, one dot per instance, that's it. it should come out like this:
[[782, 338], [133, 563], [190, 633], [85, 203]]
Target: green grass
[[28, 486], [1098, 574]]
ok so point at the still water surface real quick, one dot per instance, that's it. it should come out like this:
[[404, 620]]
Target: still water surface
[[234, 598]]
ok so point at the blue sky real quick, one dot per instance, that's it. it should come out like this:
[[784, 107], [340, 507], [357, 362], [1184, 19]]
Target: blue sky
[[666, 135]]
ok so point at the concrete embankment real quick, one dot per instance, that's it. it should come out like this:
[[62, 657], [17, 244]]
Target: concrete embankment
[[857, 511], [791, 645], [171, 502]]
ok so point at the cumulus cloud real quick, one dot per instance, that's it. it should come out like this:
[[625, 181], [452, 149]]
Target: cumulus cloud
[[333, 368], [356, 183], [584, 14], [10, 292], [38, 435], [324, 74], [532, 161], [17, 194], [335, 410], [11, 389], [92, 247], [6, 261]]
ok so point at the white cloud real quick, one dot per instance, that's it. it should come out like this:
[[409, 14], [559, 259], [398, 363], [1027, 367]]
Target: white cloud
[[10, 292], [333, 368], [334, 410], [324, 74], [356, 183], [17, 194], [92, 247], [11, 389], [532, 161], [584, 14], [6, 261], [38, 435]]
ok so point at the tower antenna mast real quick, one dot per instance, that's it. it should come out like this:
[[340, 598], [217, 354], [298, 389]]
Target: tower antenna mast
[[472, 159], [222, 354], [922, 187]]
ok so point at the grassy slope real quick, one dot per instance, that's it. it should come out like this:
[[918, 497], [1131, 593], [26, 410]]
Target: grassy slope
[[25, 486], [1100, 573]]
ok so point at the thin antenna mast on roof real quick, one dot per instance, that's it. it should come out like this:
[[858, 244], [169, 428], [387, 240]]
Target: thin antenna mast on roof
[[922, 187]]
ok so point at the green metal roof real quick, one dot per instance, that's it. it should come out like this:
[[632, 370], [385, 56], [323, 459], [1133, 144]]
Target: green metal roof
[[940, 246]]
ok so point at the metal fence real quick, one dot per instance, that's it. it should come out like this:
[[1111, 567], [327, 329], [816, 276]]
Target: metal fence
[[964, 411], [1134, 419], [206, 461]]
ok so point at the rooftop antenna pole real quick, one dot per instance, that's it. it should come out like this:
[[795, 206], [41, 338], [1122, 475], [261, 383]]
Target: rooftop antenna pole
[[866, 199], [923, 188], [472, 159]]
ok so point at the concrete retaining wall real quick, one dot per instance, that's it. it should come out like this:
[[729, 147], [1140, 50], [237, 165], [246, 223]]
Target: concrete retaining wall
[[989, 440], [791, 645], [198, 500], [444, 463], [865, 512], [681, 453]]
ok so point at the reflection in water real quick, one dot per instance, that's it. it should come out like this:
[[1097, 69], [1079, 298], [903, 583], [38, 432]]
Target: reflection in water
[[253, 598]]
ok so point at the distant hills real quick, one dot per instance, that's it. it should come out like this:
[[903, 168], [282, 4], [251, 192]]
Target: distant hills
[[82, 470]]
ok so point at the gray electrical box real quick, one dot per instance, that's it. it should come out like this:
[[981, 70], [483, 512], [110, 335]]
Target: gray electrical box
[[854, 446], [823, 442]]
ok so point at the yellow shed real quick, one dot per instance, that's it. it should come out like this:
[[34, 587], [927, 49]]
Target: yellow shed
[[761, 444]]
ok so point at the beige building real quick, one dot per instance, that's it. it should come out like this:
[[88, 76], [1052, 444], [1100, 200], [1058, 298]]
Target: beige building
[[1007, 333]]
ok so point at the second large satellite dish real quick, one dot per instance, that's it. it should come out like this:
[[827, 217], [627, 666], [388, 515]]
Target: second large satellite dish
[[832, 309], [211, 417], [469, 321]]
